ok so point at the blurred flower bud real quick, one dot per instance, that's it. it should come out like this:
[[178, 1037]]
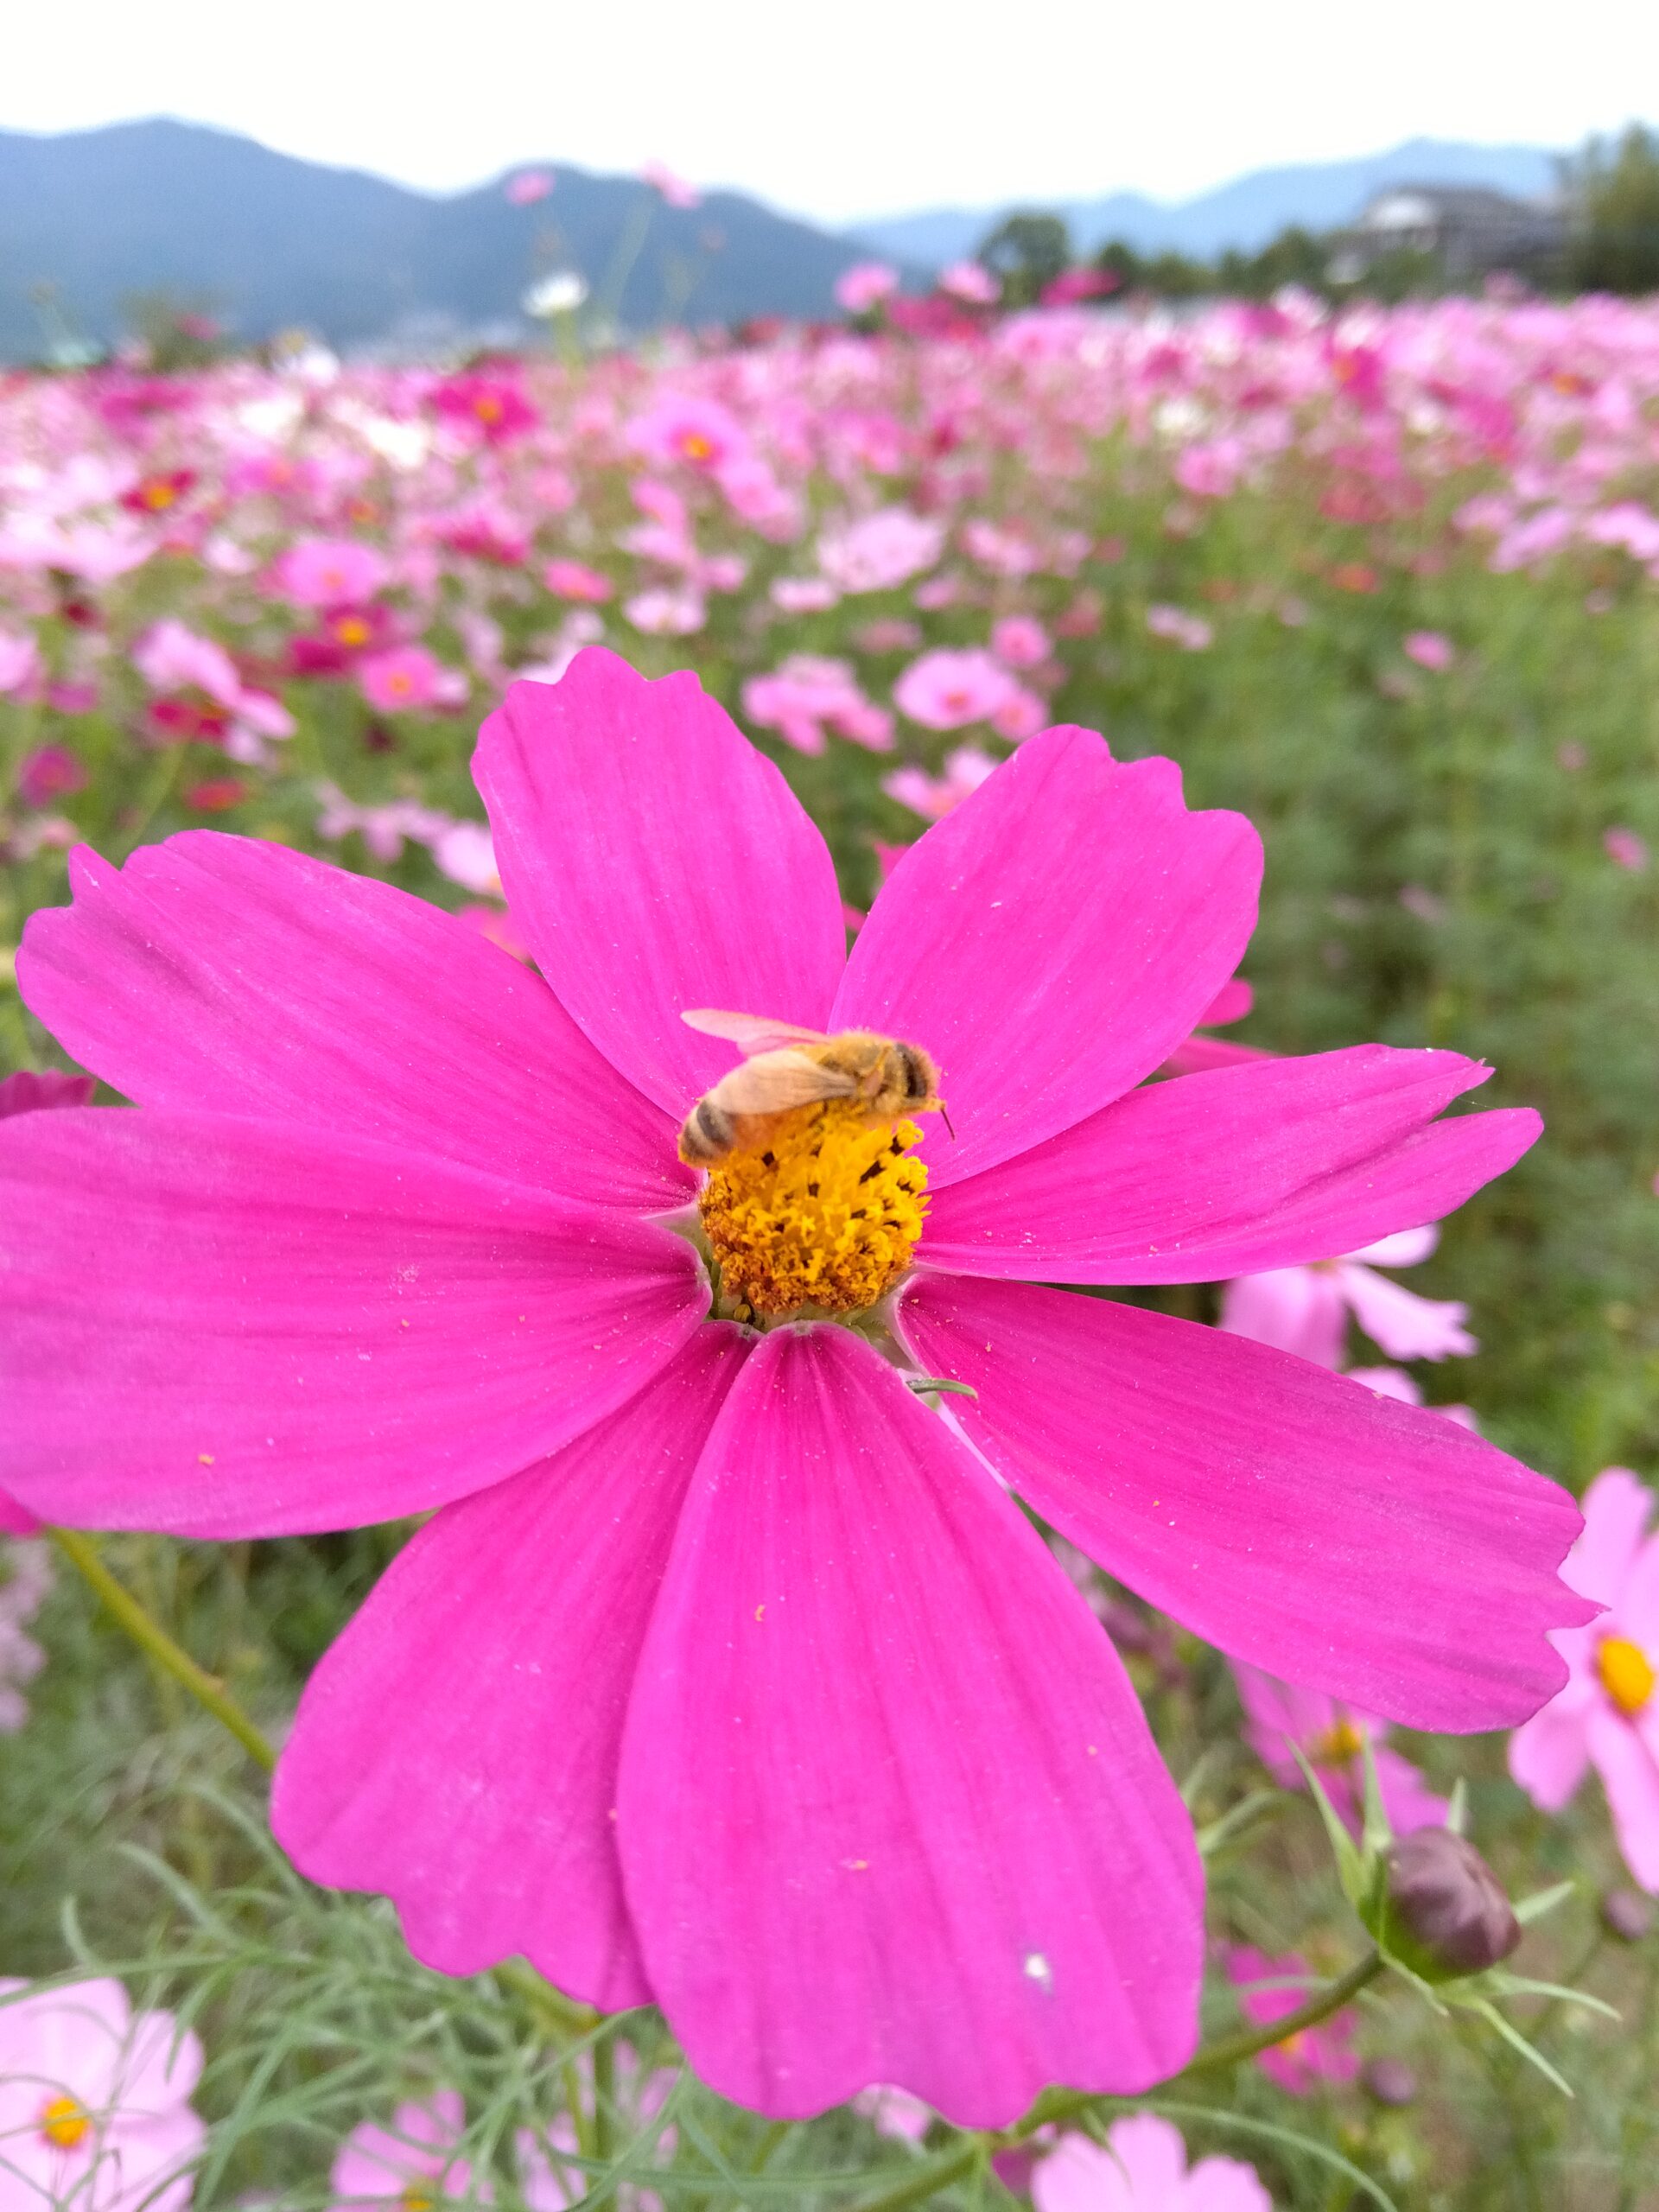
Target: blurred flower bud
[[1627, 1914], [1444, 1911], [1390, 2081]]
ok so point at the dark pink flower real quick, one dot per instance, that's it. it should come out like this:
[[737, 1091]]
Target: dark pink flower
[[722, 1675], [1331, 1738], [1268, 1989], [50, 771], [493, 406]]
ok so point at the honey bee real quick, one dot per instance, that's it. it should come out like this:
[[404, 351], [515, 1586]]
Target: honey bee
[[785, 1067]]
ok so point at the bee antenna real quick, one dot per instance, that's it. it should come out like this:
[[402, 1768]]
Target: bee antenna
[[945, 1118]]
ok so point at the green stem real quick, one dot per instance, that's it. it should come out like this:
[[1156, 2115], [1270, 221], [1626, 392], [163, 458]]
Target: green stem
[[604, 2094], [1067, 2104], [151, 1637]]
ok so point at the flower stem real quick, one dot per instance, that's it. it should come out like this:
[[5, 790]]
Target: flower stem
[[949, 2166], [152, 1638]]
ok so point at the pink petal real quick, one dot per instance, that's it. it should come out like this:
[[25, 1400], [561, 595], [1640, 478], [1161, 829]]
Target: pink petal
[[1336, 1538], [222, 1329], [889, 1810], [231, 976], [1051, 941], [657, 861], [1231, 1003], [1202, 1054], [457, 1748], [1629, 1775], [1230, 1172], [1407, 1247], [1296, 1309], [1404, 1325], [1616, 1509], [1407, 1798]]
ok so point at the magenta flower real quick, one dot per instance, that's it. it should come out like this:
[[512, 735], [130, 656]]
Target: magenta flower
[[413, 2163], [1305, 1310], [1268, 1989], [406, 678], [329, 572], [494, 407], [575, 579], [1019, 641], [1330, 1736], [1142, 2167], [1606, 1715], [49, 772], [1626, 849], [1430, 650], [723, 1675], [947, 689], [95, 2100]]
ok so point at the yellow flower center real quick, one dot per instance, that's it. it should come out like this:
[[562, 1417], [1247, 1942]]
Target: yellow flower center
[[64, 2122], [416, 2196], [1341, 1742], [157, 496], [826, 1218], [352, 630], [695, 447], [1626, 1673]]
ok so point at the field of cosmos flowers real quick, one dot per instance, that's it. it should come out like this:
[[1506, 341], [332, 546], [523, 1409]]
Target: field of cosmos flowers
[[877, 1676]]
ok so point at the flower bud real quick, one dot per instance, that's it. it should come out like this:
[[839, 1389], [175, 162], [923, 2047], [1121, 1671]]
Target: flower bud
[[1627, 1914], [1445, 1913], [1390, 2081]]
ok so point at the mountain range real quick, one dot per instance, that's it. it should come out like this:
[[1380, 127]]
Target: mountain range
[[1244, 214], [265, 242]]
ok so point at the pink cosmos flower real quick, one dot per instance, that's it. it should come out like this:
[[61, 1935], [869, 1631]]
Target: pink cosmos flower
[[95, 2100], [529, 186], [667, 612], [971, 282], [1331, 1738], [48, 772], [903, 1823], [329, 572], [803, 594], [1201, 1052], [1303, 2061], [865, 285], [408, 677], [25, 1578], [1305, 1310], [674, 188], [412, 2163], [1019, 641], [575, 579], [934, 796], [21, 666], [691, 431], [1021, 715], [494, 407], [811, 693], [947, 689], [1430, 650], [880, 551], [1142, 2167], [1606, 1716], [894, 2112], [1626, 849], [550, 2173], [1189, 632]]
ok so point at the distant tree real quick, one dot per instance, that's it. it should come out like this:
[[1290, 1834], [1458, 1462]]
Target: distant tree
[[1027, 250], [176, 334], [1612, 192], [1168, 276]]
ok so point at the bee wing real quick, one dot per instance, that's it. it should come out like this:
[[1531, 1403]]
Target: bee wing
[[773, 1081], [748, 1031]]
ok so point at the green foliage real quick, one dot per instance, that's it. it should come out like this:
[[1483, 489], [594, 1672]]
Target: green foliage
[[1613, 190], [1026, 252]]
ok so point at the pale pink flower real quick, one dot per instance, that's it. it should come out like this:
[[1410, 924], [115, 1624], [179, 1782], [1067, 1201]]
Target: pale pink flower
[[1305, 1310], [95, 2100], [1142, 2167], [803, 594], [1019, 641], [880, 551], [948, 689], [466, 854], [1268, 1989], [685, 429], [667, 611], [406, 678], [172, 658], [1626, 849], [413, 2163], [329, 572], [21, 666], [865, 285], [1607, 1715], [1019, 716], [934, 796], [1189, 632], [1430, 650], [527, 187], [894, 2112], [550, 2173], [810, 694], [674, 188], [1330, 1737], [575, 579], [1394, 1383], [971, 282]]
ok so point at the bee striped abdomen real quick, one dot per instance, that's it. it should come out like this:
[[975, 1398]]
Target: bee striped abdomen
[[709, 1134]]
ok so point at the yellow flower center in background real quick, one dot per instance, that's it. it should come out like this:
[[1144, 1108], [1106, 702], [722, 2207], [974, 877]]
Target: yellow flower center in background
[[1626, 1673], [64, 2122], [1341, 1742], [826, 1218], [417, 2196]]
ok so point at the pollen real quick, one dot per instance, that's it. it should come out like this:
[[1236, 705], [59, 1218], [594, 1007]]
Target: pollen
[[1338, 1744], [1626, 1673], [64, 2122], [825, 1218]]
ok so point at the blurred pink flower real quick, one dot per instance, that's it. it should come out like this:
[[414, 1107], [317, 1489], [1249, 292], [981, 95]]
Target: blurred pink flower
[[524, 188], [95, 2100], [880, 551], [1329, 1737], [413, 2163], [21, 666], [25, 1578], [1191, 632], [575, 579], [1021, 715], [172, 658], [810, 694], [970, 282], [1019, 641], [947, 689], [329, 572], [1606, 1716], [1626, 849], [1142, 2167], [1394, 1383], [48, 772], [1324, 2053], [674, 188], [694, 432], [1430, 650], [865, 285], [407, 678], [466, 854], [895, 2113], [932, 797], [666, 612], [1305, 1310], [493, 406], [803, 594]]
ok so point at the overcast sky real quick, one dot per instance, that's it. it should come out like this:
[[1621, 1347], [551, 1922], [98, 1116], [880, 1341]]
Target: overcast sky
[[839, 109]]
